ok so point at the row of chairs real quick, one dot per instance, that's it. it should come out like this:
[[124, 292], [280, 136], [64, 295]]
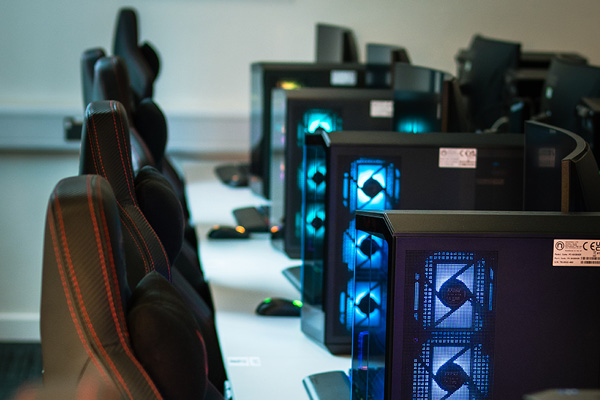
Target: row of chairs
[[125, 306]]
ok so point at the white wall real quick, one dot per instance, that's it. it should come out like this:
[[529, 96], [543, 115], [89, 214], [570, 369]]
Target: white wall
[[27, 179], [206, 48], [207, 45]]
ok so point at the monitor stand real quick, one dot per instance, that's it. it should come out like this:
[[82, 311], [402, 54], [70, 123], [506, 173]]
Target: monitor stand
[[294, 275], [331, 385]]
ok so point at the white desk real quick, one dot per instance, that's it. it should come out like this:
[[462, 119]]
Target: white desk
[[265, 357]]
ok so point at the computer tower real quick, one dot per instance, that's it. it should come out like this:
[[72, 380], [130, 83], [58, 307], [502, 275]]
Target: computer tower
[[296, 114], [266, 76], [352, 171], [475, 305]]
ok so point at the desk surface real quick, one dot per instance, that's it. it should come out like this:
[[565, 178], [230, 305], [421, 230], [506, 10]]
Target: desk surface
[[265, 357]]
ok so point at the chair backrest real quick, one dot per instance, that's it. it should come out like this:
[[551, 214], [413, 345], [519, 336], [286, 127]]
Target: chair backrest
[[88, 61], [85, 292], [142, 61], [141, 344], [111, 82], [106, 151]]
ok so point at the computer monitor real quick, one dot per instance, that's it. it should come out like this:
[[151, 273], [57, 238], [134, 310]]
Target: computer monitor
[[482, 77], [266, 76], [420, 90], [580, 180], [588, 122], [380, 61], [474, 305], [351, 171], [335, 44], [386, 54], [298, 113], [560, 173], [566, 84]]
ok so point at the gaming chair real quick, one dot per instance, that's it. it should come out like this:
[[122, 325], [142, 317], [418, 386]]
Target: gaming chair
[[96, 331], [87, 64], [142, 60], [151, 215]]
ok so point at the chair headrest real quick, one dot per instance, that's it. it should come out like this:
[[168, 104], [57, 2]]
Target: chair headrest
[[162, 208], [88, 61], [151, 125], [125, 45], [106, 151], [111, 82]]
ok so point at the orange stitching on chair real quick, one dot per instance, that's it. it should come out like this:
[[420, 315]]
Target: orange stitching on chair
[[63, 279], [143, 240], [126, 168], [94, 136], [109, 250], [146, 266], [82, 306], [117, 321], [101, 170]]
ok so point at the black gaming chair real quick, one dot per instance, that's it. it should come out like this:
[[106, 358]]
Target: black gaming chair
[[111, 82], [153, 242], [142, 60], [95, 331], [143, 65], [147, 124], [88, 62], [106, 151]]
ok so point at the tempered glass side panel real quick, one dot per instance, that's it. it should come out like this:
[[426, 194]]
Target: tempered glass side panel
[[369, 307], [363, 183], [277, 166], [313, 122], [313, 224], [256, 121]]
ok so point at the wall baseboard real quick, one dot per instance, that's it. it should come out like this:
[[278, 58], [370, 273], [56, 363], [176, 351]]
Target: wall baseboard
[[19, 327]]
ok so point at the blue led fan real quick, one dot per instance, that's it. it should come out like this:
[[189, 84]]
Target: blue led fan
[[453, 307], [371, 185], [366, 304], [319, 119], [314, 121], [412, 125], [316, 172], [360, 303], [315, 220]]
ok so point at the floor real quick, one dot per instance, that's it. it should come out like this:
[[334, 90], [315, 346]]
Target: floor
[[19, 363]]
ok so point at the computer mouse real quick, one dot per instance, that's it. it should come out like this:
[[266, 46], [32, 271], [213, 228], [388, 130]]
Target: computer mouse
[[279, 307], [228, 232]]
